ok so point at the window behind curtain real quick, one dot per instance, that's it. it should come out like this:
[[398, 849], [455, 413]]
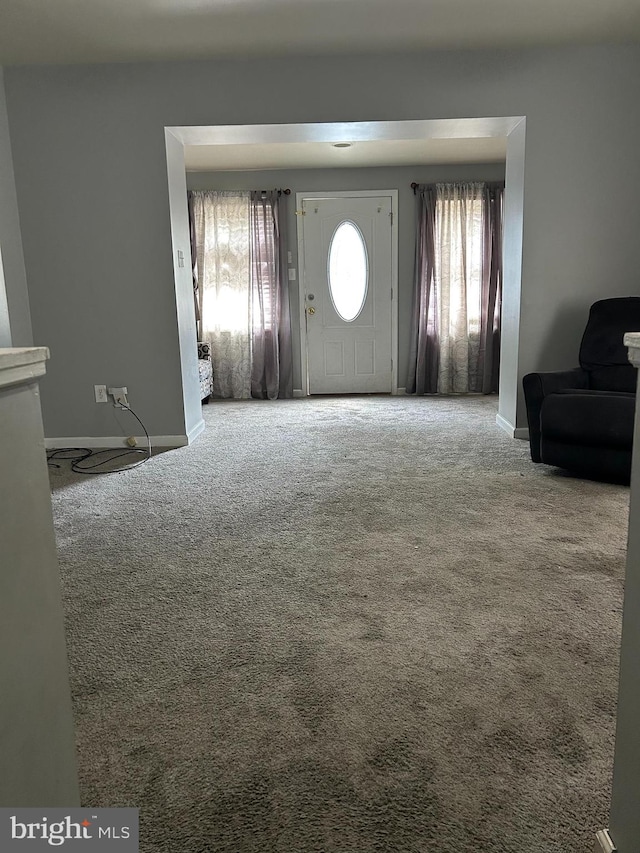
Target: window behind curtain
[[459, 231], [455, 333], [222, 231], [237, 237], [264, 268]]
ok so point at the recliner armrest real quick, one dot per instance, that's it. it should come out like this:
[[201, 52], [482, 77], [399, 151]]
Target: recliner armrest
[[536, 387]]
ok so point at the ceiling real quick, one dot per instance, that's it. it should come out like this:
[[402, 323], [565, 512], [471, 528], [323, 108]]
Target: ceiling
[[321, 155], [372, 143], [92, 31]]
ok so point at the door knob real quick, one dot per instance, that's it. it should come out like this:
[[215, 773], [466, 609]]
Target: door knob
[[311, 310]]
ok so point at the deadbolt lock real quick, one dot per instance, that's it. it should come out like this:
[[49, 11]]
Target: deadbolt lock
[[311, 310]]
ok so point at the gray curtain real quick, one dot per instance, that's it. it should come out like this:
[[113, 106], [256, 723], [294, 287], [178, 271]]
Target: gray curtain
[[271, 372], [424, 355], [490, 318], [197, 297], [433, 266]]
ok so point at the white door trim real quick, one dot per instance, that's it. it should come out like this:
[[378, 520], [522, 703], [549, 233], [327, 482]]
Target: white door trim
[[393, 195]]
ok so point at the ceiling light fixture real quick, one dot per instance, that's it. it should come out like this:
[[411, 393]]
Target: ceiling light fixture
[[342, 144]]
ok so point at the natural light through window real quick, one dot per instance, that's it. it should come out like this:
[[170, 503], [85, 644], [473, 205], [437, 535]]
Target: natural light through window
[[459, 236], [348, 271], [228, 308]]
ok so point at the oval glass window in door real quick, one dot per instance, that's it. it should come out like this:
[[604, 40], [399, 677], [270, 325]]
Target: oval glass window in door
[[348, 270]]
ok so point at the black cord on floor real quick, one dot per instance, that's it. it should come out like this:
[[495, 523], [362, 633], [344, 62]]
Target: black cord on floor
[[79, 454]]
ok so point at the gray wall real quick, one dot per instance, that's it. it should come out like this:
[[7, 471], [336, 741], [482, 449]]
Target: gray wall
[[15, 322], [90, 164], [321, 180]]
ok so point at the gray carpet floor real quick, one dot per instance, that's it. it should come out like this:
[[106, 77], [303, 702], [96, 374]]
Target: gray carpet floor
[[345, 624]]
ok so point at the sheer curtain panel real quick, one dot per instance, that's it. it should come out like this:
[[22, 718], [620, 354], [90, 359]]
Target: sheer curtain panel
[[458, 264], [457, 292], [243, 287], [222, 234]]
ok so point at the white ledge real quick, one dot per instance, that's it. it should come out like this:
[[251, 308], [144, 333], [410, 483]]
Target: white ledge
[[22, 365], [632, 341]]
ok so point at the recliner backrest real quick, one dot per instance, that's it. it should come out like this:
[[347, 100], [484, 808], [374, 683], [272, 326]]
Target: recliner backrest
[[602, 351]]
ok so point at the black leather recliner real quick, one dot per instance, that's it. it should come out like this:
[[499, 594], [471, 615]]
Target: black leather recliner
[[582, 419]]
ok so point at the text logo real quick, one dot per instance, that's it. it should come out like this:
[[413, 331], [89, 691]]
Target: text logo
[[69, 829]]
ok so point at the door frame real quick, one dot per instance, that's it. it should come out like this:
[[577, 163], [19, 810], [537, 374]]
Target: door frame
[[302, 196]]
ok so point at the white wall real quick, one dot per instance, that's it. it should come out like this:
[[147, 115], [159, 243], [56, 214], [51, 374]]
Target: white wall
[[15, 322], [511, 398], [183, 278], [312, 180], [5, 327], [37, 741], [90, 165], [624, 821]]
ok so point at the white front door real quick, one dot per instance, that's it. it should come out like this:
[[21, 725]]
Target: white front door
[[347, 279]]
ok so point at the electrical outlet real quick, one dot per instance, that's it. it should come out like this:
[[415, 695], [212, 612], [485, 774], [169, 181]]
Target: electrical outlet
[[101, 393], [119, 396]]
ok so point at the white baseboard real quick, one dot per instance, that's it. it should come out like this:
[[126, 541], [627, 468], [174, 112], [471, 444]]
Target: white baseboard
[[194, 432], [521, 433], [96, 442], [298, 392], [505, 426], [604, 843]]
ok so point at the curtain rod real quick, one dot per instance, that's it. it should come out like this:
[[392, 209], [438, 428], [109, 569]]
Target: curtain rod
[[414, 185], [280, 192]]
